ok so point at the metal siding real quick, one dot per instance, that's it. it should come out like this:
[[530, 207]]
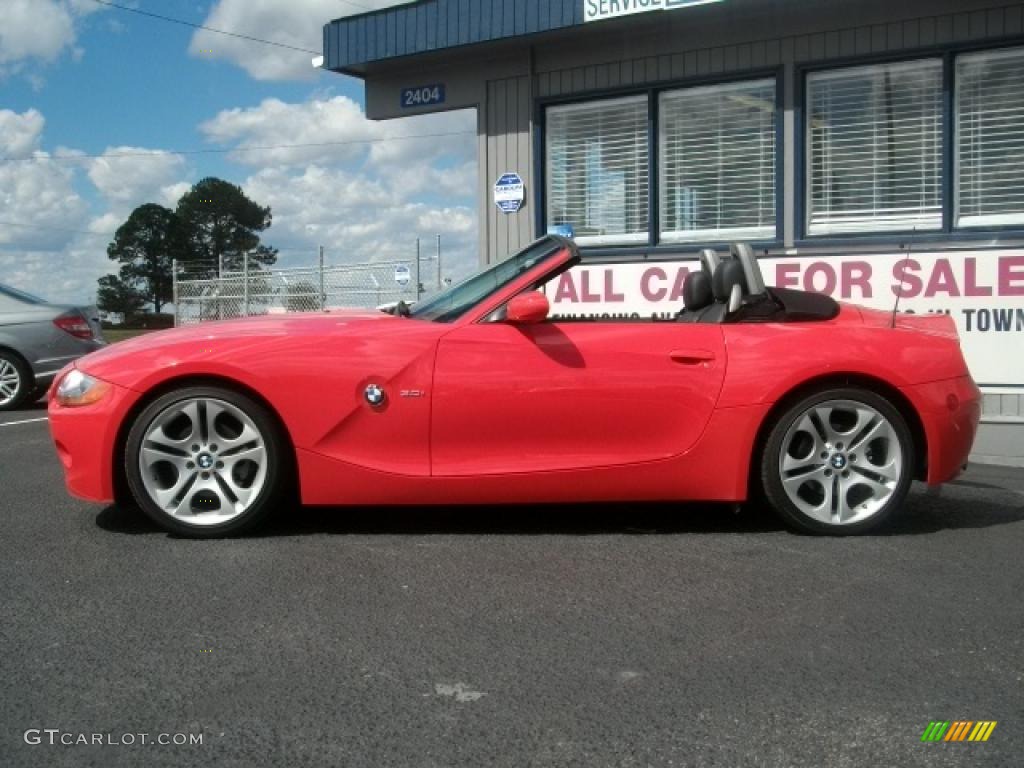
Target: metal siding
[[508, 18], [431, 26], [520, 16], [730, 58], [465, 17], [1012, 20], [978, 24], [509, 148], [421, 28], [492, 166], [441, 24], [486, 18]]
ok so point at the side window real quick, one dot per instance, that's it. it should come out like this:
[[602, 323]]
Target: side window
[[716, 170], [989, 158], [597, 170], [874, 148]]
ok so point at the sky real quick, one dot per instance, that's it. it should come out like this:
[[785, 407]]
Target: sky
[[95, 101]]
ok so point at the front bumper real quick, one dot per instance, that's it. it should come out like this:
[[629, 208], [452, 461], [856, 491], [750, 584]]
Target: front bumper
[[85, 439], [950, 412]]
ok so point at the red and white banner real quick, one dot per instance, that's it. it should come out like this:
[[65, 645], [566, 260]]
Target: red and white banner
[[982, 290]]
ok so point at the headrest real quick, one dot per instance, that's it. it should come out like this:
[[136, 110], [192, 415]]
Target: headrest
[[697, 291], [728, 274], [709, 261], [751, 269]]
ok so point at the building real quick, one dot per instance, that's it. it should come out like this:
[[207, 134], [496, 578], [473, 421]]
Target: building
[[867, 148]]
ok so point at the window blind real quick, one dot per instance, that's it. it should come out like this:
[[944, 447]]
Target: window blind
[[597, 170], [990, 138], [717, 162], [874, 148]]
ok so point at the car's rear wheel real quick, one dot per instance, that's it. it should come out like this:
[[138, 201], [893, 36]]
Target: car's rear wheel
[[205, 462], [16, 382], [838, 462]]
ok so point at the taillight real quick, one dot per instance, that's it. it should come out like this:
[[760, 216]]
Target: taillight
[[75, 324]]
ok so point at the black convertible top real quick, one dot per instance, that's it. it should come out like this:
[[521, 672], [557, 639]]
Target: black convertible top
[[785, 305], [803, 306]]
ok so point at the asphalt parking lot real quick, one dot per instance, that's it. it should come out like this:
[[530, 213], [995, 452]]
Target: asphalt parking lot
[[582, 636]]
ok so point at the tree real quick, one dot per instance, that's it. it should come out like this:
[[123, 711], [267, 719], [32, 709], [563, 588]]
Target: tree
[[117, 295], [145, 245], [220, 225]]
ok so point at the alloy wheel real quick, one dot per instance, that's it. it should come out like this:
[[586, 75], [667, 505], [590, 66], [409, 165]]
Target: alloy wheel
[[841, 462], [10, 382], [203, 461]]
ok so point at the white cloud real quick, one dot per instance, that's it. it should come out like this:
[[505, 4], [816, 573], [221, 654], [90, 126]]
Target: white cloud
[[354, 217], [366, 189], [298, 23], [427, 155], [337, 130], [38, 30], [362, 202], [38, 202], [126, 175], [50, 242]]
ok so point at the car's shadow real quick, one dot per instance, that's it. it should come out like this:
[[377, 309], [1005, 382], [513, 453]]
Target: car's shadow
[[923, 513]]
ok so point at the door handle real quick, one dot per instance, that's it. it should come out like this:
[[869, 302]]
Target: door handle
[[692, 356]]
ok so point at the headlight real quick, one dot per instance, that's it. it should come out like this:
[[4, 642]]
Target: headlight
[[77, 388]]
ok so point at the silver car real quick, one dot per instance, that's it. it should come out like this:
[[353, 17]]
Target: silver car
[[37, 339]]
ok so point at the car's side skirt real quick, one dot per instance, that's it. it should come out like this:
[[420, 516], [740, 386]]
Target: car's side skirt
[[715, 469]]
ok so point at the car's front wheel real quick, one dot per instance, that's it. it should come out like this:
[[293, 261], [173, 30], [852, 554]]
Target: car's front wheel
[[16, 382], [838, 462], [205, 462]]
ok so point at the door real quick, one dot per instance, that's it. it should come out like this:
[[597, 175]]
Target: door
[[529, 398]]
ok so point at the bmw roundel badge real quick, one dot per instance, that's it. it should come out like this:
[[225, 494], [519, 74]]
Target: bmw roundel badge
[[374, 394]]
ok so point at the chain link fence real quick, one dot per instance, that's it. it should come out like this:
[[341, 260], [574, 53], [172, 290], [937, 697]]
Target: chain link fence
[[365, 285]]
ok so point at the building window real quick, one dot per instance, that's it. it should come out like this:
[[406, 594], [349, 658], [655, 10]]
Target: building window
[[597, 173], [717, 162], [990, 138], [874, 148]]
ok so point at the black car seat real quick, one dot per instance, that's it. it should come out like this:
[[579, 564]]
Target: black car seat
[[697, 296]]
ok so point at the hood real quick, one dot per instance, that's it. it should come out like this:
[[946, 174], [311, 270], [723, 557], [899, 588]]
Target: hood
[[221, 341]]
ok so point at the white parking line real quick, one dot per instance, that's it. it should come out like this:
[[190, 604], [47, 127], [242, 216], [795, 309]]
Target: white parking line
[[25, 421]]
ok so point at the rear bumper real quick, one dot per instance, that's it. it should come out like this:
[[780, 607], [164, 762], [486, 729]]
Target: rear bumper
[[45, 369], [950, 411], [85, 439]]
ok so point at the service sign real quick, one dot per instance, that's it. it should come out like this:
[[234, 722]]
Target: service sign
[[982, 290], [599, 10], [509, 192]]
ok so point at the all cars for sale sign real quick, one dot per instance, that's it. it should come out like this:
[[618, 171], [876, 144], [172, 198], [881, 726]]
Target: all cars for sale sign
[[982, 290]]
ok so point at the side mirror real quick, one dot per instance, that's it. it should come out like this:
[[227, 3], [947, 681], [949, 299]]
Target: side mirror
[[528, 308]]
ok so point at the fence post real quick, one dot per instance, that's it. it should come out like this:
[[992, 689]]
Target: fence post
[[174, 289], [323, 296], [439, 262], [245, 284], [419, 285]]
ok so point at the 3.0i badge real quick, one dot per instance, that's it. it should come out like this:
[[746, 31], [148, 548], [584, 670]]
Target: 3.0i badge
[[374, 395]]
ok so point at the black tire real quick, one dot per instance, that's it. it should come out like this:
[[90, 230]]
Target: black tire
[[848, 468], [278, 464], [26, 383]]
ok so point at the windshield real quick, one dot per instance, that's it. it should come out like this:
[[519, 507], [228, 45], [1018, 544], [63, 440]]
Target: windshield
[[451, 304], [14, 293]]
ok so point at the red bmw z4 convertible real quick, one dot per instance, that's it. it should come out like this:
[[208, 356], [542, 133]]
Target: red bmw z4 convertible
[[477, 396]]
